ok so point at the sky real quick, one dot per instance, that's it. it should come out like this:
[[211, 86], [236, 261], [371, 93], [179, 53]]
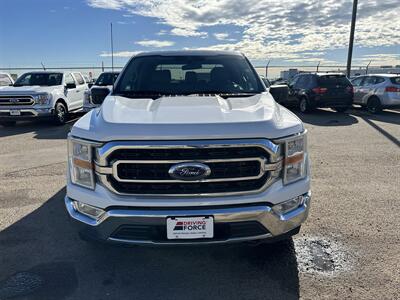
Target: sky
[[298, 32]]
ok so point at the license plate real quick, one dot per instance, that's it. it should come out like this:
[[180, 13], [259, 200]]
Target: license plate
[[15, 112], [190, 228]]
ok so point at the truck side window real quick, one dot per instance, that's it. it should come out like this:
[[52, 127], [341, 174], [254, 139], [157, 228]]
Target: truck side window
[[79, 78], [69, 79]]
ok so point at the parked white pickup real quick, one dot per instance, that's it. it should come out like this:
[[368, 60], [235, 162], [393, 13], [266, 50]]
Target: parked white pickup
[[188, 148], [49, 95]]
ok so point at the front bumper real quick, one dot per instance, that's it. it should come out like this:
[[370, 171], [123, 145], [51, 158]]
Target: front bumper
[[148, 224], [25, 113]]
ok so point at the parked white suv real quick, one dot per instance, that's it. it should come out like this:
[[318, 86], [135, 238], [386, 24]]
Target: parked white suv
[[42, 95], [190, 148]]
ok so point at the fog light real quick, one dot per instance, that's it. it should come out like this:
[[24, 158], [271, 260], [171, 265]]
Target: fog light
[[88, 210], [289, 205]]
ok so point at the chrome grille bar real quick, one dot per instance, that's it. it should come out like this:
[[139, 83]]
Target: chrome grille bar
[[269, 166], [15, 100]]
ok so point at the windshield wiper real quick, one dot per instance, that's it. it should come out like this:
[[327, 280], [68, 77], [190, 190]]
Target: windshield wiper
[[227, 95], [143, 94]]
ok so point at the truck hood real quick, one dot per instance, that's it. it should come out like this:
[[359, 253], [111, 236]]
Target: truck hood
[[27, 90], [187, 117]]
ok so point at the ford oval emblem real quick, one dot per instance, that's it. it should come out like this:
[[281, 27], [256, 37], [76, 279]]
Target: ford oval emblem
[[189, 171]]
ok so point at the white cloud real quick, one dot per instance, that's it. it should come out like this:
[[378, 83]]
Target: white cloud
[[187, 32], [155, 43], [379, 59], [120, 54], [270, 28], [223, 36]]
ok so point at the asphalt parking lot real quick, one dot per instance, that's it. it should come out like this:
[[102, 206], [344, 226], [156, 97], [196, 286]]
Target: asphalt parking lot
[[349, 248]]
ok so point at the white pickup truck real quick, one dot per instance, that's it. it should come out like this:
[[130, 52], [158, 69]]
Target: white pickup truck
[[189, 148], [34, 95]]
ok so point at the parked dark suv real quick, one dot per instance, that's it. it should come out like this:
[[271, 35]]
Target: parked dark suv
[[309, 91]]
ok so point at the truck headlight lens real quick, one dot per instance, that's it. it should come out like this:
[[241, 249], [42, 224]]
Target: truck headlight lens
[[295, 159], [81, 163], [42, 99]]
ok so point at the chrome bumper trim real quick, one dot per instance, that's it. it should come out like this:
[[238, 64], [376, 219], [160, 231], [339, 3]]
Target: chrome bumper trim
[[263, 213], [35, 112]]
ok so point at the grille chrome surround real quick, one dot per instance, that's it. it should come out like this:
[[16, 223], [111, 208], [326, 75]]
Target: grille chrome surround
[[270, 165], [16, 100], [259, 175]]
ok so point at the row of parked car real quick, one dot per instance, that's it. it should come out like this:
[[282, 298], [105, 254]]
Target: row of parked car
[[54, 95], [308, 91], [50, 95]]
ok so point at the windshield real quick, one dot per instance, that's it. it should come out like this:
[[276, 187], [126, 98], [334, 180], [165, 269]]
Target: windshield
[[42, 79], [107, 79], [184, 75]]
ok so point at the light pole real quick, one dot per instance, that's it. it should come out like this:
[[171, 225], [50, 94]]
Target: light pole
[[353, 26]]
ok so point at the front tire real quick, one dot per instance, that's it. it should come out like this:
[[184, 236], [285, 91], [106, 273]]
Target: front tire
[[61, 114], [374, 105], [304, 105]]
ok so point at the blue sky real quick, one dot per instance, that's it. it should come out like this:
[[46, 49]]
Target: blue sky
[[296, 32]]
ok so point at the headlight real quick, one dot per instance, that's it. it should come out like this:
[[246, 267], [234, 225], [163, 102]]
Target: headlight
[[295, 158], [81, 163], [42, 99]]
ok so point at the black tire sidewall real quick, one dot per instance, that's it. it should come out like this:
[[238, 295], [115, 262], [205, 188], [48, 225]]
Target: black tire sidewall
[[374, 105], [306, 107], [57, 118]]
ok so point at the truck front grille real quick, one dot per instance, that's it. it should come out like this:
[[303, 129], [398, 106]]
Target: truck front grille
[[16, 100], [145, 170]]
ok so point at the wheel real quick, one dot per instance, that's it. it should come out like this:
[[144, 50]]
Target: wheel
[[304, 106], [8, 123], [374, 105], [61, 114], [340, 109]]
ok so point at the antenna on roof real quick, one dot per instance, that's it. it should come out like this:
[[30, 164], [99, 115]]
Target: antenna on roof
[[318, 66], [112, 55], [44, 68]]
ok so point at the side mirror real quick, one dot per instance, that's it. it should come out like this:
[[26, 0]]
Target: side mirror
[[99, 94], [90, 85], [70, 86], [279, 92]]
